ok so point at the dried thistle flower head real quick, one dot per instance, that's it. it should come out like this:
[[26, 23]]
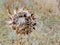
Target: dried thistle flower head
[[22, 21]]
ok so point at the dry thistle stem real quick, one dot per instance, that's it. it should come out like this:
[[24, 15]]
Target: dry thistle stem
[[23, 21]]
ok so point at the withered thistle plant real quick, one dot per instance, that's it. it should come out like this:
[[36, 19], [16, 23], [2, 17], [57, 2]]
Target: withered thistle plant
[[21, 19]]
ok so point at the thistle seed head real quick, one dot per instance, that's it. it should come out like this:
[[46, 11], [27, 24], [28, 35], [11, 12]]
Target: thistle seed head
[[23, 22]]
